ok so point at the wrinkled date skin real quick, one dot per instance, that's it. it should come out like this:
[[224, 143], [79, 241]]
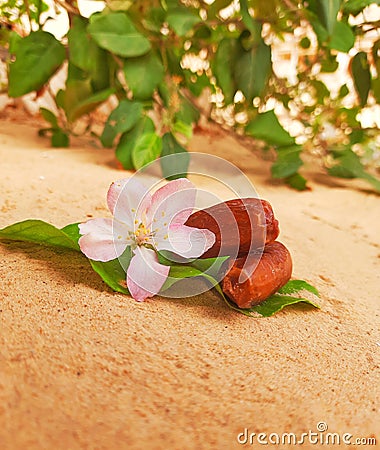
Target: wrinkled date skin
[[241, 226], [271, 273]]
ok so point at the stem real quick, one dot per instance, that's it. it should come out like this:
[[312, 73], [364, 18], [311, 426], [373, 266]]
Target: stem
[[27, 8]]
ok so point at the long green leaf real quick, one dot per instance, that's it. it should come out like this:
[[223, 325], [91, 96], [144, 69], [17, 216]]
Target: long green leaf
[[361, 75], [38, 232]]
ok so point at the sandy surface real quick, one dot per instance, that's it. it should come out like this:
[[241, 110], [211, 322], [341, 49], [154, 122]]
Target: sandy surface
[[82, 367]]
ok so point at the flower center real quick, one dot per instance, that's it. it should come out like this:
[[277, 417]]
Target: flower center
[[142, 234]]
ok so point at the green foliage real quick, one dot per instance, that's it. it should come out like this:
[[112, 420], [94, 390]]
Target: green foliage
[[113, 272], [137, 52]]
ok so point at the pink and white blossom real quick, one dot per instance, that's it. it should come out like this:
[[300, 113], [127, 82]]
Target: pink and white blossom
[[148, 223]]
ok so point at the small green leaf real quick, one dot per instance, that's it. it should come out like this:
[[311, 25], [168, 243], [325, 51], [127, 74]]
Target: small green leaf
[[116, 32], [182, 20], [148, 148], [143, 74], [361, 75], [129, 140], [343, 91], [288, 161], [297, 181], [38, 232], [38, 56], [175, 158], [267, 128], [49, 117], [59, 139], [342, 38]]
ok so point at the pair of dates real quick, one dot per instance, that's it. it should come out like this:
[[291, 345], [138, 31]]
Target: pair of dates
[[246, 230]]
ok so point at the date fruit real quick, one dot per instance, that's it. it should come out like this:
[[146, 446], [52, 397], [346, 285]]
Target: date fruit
[[241, 226], [273, 270]]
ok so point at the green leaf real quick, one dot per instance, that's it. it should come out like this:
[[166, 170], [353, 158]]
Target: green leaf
[[252, 69], [211, 266], [288, 161], [361, 75], [376, 88], [143, 74], [329, 65], [350, 166], [223, 68], [294, 286], [49, 117], [248, 20], [88, 104], [38, 56], [129, 140], [125, 116], [59, 138], [342, 37], [173, 167], [182, 129], [148, 148], [113, 273], [355, 7], [116, 32], [122, 119], [281, 299], [330, 10], [86, 55], [72, 231], [343, 91], [182, 20], [267, 128], [297, 181], [38, 232], [277, 302]]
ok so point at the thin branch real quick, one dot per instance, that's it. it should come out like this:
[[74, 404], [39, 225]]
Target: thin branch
[[69, 8]]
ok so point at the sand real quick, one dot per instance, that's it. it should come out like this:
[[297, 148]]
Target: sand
[[82, 367]]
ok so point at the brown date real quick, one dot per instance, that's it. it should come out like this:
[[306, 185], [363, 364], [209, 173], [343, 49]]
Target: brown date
[[241, 226], [273, 271]]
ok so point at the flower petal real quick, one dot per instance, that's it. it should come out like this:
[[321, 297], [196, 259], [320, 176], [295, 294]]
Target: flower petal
[[124, 197], [145, 275], [171, 205], [103, 239], [187, 242]]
